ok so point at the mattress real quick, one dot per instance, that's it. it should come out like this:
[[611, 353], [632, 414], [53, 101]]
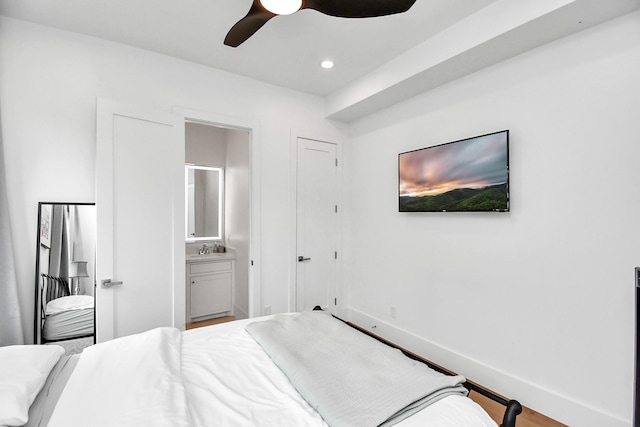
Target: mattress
[[68, 317], [212, 376], [72, 302]]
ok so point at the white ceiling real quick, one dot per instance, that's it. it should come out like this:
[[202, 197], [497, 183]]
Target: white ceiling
[[287, 51], [378, 60]]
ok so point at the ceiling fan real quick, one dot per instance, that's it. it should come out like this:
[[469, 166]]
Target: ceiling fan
[[262, 11]]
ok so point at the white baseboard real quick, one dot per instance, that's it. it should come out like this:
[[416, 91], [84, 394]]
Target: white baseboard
[[239, 313], [547, 402]]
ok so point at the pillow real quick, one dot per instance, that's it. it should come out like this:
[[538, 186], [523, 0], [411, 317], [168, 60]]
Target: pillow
[[24, 370], [73, 302]]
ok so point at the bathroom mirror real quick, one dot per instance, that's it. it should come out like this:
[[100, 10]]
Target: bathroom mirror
[[204, 202], [65, 274]]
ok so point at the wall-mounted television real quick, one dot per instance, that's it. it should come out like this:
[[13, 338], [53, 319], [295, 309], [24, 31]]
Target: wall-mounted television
[[469, 175]]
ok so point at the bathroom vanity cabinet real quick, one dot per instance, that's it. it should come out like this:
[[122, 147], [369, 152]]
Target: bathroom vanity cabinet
[[210, 283]]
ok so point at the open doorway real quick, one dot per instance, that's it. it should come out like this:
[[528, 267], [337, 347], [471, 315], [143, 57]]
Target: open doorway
[[211, 278]]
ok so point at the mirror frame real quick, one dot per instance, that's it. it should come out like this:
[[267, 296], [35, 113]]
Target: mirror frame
[[37, 315], [190, 239]]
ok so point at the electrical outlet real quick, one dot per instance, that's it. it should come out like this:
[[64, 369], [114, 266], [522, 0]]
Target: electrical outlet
[[266, 310], [393, 311]]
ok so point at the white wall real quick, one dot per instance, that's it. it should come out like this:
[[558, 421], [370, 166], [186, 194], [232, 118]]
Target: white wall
[[537, 303], [49, 82], [205, 145]]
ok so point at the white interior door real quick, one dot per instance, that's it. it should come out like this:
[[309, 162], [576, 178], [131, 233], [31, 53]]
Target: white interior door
[[140, 210], [316, 227]]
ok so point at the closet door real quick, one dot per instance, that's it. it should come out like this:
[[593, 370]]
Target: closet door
[[316, 224], [140, 213]]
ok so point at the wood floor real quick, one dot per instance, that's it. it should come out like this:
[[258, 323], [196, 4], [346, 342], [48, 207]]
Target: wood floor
[[210, 322], [528, 417]]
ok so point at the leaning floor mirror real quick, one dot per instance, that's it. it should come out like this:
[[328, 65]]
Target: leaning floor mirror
[[65, 274]]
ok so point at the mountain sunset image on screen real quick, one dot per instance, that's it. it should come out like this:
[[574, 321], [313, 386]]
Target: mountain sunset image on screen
[[466, 175]]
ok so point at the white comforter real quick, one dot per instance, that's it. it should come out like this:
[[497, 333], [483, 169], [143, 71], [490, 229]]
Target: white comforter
[[232, 382], [213, 376], [132, 381]]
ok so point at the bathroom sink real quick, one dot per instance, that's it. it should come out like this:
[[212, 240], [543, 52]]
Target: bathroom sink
[[205, 256]]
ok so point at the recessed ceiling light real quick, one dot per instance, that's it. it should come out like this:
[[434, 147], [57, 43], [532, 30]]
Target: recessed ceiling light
[[282, 7], [326, 64]]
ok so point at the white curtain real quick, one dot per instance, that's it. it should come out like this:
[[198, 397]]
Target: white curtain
[[76, 238], [10, 321], [60, 253]]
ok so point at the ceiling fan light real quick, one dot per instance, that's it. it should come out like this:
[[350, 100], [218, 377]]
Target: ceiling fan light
[[282, 7]]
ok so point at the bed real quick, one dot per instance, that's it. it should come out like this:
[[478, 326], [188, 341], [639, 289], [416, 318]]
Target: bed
[[64, 316], [302, 369]]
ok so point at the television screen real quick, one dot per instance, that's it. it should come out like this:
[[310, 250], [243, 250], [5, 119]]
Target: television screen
[[470, 175]]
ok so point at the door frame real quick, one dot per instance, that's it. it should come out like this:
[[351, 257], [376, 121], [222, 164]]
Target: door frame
[[293, 229], [219, 120]]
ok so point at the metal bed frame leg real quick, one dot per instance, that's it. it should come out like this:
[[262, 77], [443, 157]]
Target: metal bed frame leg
[[513, 410]]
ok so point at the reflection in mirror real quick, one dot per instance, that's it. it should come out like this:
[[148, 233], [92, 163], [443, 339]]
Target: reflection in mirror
[[65, 274], [204, 202]]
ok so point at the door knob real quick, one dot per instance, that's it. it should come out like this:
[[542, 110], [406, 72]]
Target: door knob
[[302, 259], [107, 283]]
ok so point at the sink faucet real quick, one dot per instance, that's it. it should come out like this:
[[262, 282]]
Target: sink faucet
[[204, 249]]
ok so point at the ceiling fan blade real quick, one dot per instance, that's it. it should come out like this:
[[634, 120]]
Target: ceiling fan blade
[[247, 26], [358, 8]]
